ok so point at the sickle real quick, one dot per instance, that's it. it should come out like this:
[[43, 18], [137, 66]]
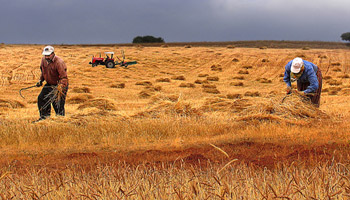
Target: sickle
[[20, 91]]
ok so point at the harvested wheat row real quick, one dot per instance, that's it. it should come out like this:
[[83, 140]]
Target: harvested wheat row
[[145, 83], [181, 78], [179, 108], [78, 99], [118, 85], [292, 110], [11, 103], [225, 105], [101, 104], [163, 80], [162, 97], [81, 90], [188, 85]]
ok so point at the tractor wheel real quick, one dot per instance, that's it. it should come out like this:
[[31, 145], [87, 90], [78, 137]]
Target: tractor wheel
[[93, 65], [110, 64]]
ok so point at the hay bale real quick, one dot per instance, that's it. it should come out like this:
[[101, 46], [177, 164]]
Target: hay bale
[[157, 88], [293, 110], [327, 77], [163, 80], [188, 85], [78, 99], [264, 80], [118, 85], [305, 48], [81, 90], [243, 72], [300, 56], [337, 69], [235, 60], [238, 77], [265, 60], [144, 83], [236, 84], [212, 78], [252, 94], [263, 47], [201, 81], [208, 86], [188, 46], [101, 104], [216, 68], [247, 67], [336, 64], [334, 82], [145, 94], [211, 90], [230, 46], [203, 75], [335, 88], [344, 76], [181, 78], [234, 96], [151, 89], [346, 91], [332, 92]]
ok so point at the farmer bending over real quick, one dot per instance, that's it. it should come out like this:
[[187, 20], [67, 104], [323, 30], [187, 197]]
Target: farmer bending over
[[308, 77], [54, 72]]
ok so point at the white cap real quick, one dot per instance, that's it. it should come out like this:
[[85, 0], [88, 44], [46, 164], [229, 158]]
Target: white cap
[[48, 50], [297, 63]]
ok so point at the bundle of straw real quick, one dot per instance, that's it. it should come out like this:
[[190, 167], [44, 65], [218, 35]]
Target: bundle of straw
[[56, 95]]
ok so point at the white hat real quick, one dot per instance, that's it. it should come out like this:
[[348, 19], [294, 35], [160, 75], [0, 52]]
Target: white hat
[[48, 50], [296, 65]]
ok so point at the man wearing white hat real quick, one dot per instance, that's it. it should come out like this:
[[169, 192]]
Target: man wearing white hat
[[308, 77], [54, 72]]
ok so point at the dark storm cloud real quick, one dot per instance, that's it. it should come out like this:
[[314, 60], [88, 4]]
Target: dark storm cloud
[[119, 21]]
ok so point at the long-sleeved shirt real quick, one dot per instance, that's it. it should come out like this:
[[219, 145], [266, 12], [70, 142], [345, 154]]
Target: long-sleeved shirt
[[308, 76], [55, 72]]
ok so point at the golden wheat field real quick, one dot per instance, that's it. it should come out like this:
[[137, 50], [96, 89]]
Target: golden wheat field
[[186, 122]]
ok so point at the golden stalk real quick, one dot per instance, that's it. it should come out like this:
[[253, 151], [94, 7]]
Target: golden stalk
[[219, 149]]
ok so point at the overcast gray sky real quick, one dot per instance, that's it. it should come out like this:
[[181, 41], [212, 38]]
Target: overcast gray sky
[[119, 21]]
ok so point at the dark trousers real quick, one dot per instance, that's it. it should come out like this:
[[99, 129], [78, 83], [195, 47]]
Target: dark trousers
[[316, 98], [46, 98]]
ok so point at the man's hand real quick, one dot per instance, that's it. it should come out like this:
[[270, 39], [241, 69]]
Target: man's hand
[[289, 90], [40, 83]]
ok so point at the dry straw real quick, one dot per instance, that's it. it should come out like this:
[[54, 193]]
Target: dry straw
[[101, 104], [169, 107], [294, 109], [81, 90], [81, 98], [11, 103], [56, 95]]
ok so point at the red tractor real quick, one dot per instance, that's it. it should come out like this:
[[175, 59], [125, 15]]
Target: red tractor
[[109, 61]]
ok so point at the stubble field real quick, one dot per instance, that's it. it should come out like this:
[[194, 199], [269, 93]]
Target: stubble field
[[184, 123]]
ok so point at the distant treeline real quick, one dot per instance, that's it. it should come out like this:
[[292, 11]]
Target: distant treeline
[[147, 39]]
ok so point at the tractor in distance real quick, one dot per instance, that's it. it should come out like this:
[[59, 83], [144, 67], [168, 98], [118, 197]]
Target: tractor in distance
[[109, 61]]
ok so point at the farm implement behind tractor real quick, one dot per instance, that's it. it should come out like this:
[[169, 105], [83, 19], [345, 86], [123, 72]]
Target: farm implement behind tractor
[[109, 61]]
